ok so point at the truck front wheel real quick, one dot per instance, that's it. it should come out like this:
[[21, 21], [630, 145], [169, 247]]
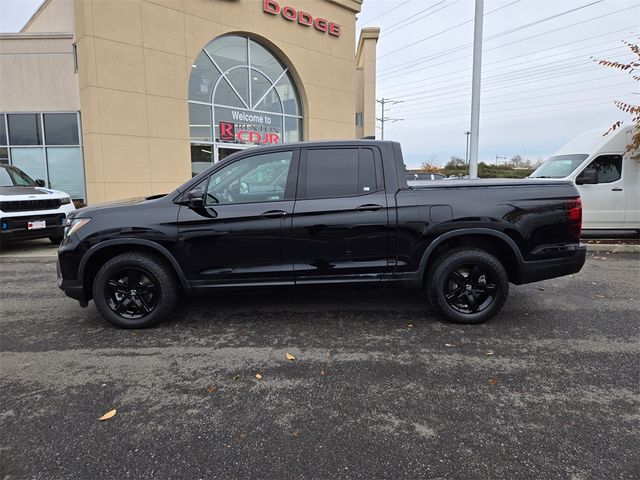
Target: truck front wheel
[[135, 290], [467, 285]]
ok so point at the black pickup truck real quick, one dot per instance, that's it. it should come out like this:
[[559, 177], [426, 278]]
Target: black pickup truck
[[321, 213]]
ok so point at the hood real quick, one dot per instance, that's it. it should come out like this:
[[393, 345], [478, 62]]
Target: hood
[[116, 205], [29, 193]]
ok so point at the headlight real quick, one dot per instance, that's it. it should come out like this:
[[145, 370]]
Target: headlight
[[71, 226], [65, 200]]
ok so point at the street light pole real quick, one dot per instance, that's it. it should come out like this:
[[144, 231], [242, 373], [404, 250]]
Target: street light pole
[[475, 89]]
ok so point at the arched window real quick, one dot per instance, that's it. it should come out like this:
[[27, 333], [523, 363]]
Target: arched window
[[240, 95]]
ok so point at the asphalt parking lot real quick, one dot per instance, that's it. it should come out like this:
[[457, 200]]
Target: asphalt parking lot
[[380, 388]]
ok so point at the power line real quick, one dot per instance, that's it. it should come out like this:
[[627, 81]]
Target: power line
[[506, 32], [388, 11], [520, 107], [502, 66], [389, 30], [538, 97], [412, 64]]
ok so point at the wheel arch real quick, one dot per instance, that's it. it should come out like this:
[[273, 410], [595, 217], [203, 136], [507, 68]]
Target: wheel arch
[[495, 242], [97, 255]]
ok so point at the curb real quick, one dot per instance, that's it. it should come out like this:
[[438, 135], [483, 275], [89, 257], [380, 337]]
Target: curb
[[612, 248]]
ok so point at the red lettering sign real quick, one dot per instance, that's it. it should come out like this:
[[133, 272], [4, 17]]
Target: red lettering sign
[[227, 131], [272, 7], [257, 137], [305, 19]]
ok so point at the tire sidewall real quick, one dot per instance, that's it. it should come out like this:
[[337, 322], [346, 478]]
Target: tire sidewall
[[466, 257], [166, 286]]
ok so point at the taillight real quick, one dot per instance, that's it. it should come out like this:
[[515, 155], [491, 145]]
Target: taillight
[[574, 216]]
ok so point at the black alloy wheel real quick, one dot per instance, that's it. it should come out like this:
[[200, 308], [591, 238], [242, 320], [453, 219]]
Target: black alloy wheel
[[470, 289], [135, 290], [132, 293], [468, 285]]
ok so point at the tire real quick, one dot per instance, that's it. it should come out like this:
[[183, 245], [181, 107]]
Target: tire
[[56, 239], [467, 285], [152, 298]]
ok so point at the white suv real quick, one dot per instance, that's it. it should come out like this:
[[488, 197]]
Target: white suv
[[28, 210]]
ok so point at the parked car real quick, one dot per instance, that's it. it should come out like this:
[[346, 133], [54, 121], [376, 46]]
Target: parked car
[[316, 214], [606, 175], [417, 176], [28, 210]]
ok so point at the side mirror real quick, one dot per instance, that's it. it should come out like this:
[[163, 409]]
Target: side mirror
[[195, 198], [588, 176], [40, 182]]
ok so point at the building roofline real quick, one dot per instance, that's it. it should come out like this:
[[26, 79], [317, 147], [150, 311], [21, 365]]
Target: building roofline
[[353, 5], [34, 35], [366, 33], [35, 14]]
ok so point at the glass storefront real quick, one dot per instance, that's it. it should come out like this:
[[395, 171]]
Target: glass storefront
[[45, 146], [240, 95]]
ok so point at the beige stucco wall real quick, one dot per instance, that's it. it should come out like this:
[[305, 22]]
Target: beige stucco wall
[[366, 81], [52, 16], [37, 73], [134, 60]]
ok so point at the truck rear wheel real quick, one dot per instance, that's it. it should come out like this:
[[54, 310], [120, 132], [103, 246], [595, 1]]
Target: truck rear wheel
[[467, 285], [135, 290]]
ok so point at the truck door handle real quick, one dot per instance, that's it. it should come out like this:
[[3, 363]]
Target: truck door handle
[[368, 208], [616, 189], [273, 214]]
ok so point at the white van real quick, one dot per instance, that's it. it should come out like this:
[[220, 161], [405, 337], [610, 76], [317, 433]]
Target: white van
[[606, 176]]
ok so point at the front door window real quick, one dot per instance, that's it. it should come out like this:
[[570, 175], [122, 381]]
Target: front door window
[[260, 178]]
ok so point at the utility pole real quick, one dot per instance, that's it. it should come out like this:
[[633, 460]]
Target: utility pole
[[475, 89], [383, 119], [466, 154]]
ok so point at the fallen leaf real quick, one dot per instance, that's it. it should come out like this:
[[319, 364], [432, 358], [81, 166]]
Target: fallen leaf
[[108, 415], [236, 378], [289, 356], [526, 314], [294, 434], [258, 376], [410, 325], [600, 296], [328, 354], [493, 381], [449, 345], [322, 372], [212, 389], [488, 353], [242, 436], [134, 334]]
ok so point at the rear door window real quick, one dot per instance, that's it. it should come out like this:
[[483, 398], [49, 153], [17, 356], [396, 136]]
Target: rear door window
[[341, 172]]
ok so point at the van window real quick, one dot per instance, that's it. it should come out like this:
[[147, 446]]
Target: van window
[[342, 172], [609, 168], [559, 166]]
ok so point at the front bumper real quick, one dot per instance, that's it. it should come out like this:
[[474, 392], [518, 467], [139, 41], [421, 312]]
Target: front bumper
[[16, 227], [71, 288], [537, 270]]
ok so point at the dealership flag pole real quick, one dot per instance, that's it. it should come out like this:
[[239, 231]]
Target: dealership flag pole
[[475, 89]]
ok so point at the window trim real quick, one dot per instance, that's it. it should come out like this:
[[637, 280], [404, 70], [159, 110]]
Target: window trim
[[302, 175]]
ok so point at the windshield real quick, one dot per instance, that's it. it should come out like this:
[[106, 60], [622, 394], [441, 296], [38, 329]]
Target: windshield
[[559, 166], [13, 177]]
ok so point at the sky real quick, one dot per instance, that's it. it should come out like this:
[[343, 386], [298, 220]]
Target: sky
[[540, 84]]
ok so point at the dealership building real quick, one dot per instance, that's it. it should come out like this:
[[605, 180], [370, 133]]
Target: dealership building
[[110, 99]]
